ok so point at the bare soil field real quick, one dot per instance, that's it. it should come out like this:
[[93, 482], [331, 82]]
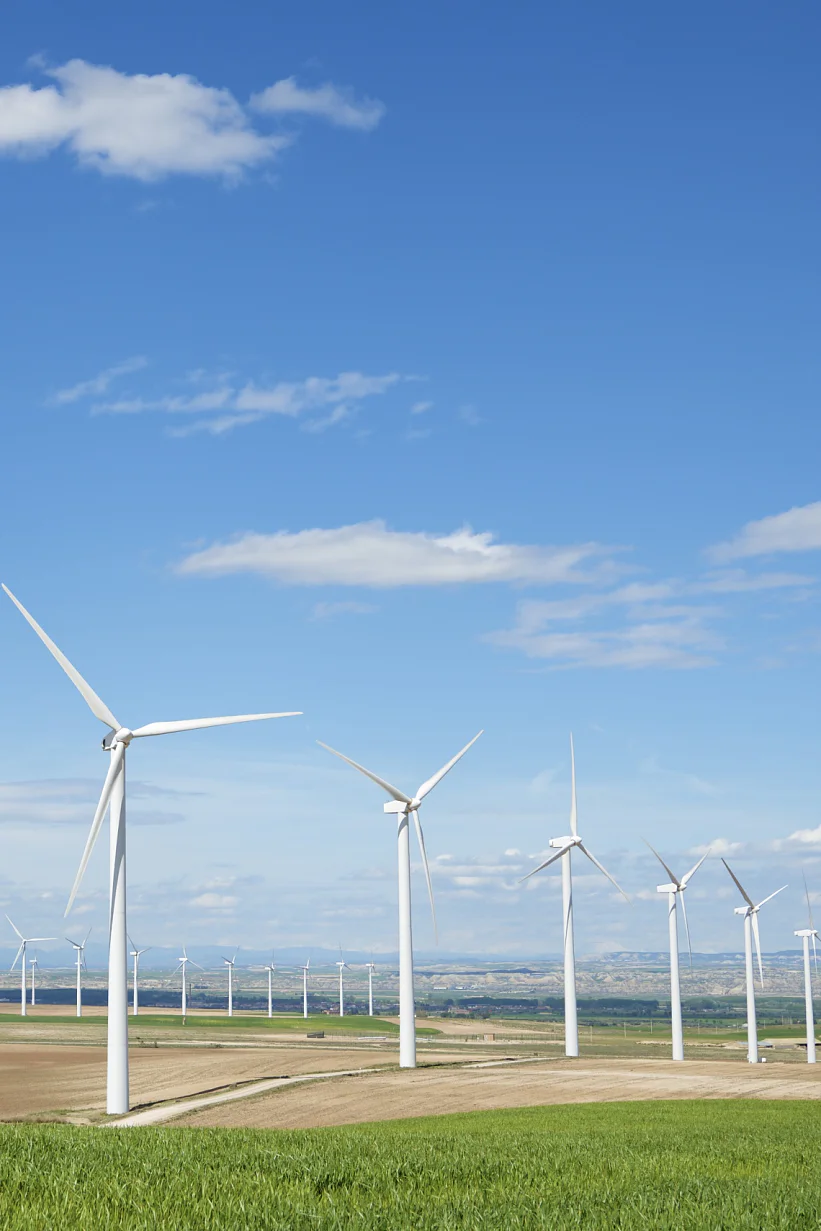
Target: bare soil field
[[488, 1085]]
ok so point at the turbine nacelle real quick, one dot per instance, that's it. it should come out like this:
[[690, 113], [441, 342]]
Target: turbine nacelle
[[122, 736], [671, 888], [566, 842]]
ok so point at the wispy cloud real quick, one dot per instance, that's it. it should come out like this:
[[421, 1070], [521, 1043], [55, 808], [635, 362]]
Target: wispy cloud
[[150, 126], [71, 801], [419, 408], [799, 529], [327, 611], [100, 383], [370, 554]]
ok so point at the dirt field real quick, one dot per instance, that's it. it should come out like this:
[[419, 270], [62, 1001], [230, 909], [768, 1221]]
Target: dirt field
[[425, 1092]]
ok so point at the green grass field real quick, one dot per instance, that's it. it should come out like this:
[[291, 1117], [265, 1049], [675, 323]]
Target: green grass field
[[671, 1166], [354, 1025]]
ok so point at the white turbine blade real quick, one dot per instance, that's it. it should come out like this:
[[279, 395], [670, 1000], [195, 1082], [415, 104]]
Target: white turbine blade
[[574, 825], [770, 898], [757, 939], [685, 878], [603, 869], [88, 933], [36, 940], [428, 786], [680, 897], [386, 786], [673, 878], [17, 958], [546, 863], [97, 706], [815, 953], [72, 942], [99, 816], [806, 891], [739, 885], [17, 930], [193, 963], [421, 838], [197, 724]]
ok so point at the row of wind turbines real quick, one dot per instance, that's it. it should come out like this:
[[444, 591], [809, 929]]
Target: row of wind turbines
[[405, 808]]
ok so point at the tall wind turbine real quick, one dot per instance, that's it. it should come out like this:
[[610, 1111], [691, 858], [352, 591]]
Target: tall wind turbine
[[80, 954], [343, 965], [750, 912], [137, 954], [564, 846], [33, 967], [229, 962], [807, 935], [404, 807], [305, 970], [270, 968], [183, 963], [675, 894], [21, 953], [115, 743], [371, 969]]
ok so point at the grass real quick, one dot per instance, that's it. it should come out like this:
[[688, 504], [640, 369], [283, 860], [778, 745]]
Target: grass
[[355, 1024], [662, 1166]]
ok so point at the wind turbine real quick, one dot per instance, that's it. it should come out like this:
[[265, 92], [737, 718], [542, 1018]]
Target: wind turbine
[[807, 935], [371, 969], [229, 962], [305, 970], [137, 954], [564, 846], [21, 952], [80, 954], [33, 966], [115, 743], [183, 963], [343, 965], [675, 894], [403, 807], [750, 913], [271, 968]]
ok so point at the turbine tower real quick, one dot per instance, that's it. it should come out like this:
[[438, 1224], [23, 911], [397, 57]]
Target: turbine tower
[[750, 912], [136, 954], [271, 968], [807, 935], [229, 962], [305, 970], [404, 807], [371, 969], [564, 847], [80, 954], [21, 953], [675, 894], [183, 963], [343, 965], [33, 967], [115, 743]]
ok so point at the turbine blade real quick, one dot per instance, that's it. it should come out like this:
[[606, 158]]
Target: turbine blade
[[108, 786], [770, 898], [97, 706], [421, 838], [574, 826], [386, 786], [17, 958], [673, 878], [603, 869], [428, 786], [558, 854], [757, 939], [685, 878], [806, 891], [815, 954], [196, 724], [680, 897], [17, 930], [72, 942], [38, 940], [745, 895]]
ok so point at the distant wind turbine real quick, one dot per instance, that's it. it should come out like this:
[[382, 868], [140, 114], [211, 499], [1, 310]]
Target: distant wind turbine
[[675, 894], [115, 743], [305, 970], [33, 966], [271, 968], [807, 935], [229, 962], [343, 965], [21, 953], [80, 954], [404, 807], [750, 913], [183, 963], [564, 846], [371, 969], [136, 954]]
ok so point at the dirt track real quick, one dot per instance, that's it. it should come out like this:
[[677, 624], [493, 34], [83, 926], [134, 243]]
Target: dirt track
[[425, 1092]]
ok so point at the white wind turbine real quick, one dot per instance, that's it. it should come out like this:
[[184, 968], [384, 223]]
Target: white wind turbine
[[750, 913], [183, 964], [564, 846], [675, 894], [270, 968], [33, 964], [807, 935], [229, 962], [115, 743], [371, 969], [343, 965], [21, 953], [403, 807], [137, 954], [305, 970], [80, 955]]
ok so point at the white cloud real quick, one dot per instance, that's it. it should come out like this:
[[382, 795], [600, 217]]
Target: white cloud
[[737, 581], [326, 611], [419, 408], [718, 847], [226, 405], [802, 837], [369, 554], [150, 126], [799, 529], [99, 383], [329, 102], [215, 901], [71, 801]]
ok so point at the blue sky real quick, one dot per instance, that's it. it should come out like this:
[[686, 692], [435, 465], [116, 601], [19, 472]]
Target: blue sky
[[425, 372]]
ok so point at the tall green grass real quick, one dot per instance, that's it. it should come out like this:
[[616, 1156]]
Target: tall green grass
[[676, 1165]]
